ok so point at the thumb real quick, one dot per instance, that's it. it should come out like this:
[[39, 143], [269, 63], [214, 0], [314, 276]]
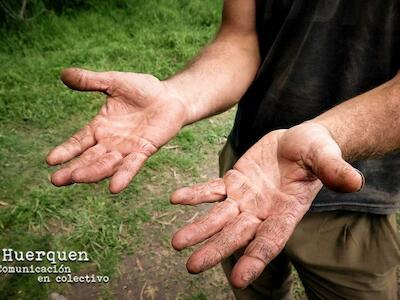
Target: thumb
[[335, 173], [84, 80]]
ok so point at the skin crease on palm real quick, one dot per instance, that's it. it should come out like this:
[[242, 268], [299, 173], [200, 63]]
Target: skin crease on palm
[[263, 198], [139, 116], [270, 188]]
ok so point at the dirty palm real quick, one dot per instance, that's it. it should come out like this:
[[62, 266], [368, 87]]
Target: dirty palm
[[261, 199]]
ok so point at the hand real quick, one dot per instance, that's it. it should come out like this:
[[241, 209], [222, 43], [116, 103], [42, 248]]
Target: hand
[[264, 196], [140, 115]]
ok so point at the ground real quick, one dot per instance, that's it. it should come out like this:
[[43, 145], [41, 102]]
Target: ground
[[128, 235], [155, 270]]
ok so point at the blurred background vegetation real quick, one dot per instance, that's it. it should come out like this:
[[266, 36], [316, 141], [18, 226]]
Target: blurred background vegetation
[[128, 235], [16, 11], [13, 12]]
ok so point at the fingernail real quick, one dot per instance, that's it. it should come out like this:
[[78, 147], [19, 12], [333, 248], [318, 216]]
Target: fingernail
[[363, 180]]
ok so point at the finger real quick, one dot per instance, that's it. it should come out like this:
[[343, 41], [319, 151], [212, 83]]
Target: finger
[[337, 174], [270, 239], [234, 236], [211, 191], [64, 175], [125, 173], [103, 167], [206, 226], [84, 80], [74, 146], [340, 176]]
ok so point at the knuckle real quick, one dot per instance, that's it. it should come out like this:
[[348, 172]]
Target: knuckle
[[110, 82], [101, 164], [260, 201], [216, 182], [114, 155], [290, 219], [244, 187], [232, 173], [129, 163], [201, 225], [81, 79], [225, 241], [111, 78], [276, 231], [249, 218], [147, 147], [75, 140], [230, 203], [213, 256], [125, 168], [237, 184], [271, 247], [202, 220], [200, 190], [217, 208], [263, 249]]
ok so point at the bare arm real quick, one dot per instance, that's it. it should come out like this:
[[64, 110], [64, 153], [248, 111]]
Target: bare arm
[[273, 184], [367, 125], [219, 76], [142, 113]]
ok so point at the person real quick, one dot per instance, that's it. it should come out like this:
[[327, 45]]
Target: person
[[318, 110]]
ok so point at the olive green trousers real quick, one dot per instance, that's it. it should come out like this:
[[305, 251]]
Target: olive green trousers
[[337, 254]]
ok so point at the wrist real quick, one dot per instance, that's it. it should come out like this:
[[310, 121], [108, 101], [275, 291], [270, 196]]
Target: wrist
[[175, 92], [337, 133]]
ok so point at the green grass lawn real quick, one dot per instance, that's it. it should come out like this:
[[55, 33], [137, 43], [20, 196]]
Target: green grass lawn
[[37, 112]]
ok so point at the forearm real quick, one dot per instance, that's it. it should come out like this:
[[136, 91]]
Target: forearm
[[367, 125], [218, 77]]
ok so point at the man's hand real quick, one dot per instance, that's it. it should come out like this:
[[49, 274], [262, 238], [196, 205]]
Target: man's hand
[[140, 115], [264, 196]]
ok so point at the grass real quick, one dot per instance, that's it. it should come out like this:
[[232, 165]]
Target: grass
[[37, 112]]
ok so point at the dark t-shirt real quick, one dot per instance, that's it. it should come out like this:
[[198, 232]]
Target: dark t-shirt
[[316, 54]]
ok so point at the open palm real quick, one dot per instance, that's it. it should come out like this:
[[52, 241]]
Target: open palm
[[140, 115], [263, 198]]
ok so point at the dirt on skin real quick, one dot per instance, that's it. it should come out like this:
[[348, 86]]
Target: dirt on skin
[[156, 270]]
